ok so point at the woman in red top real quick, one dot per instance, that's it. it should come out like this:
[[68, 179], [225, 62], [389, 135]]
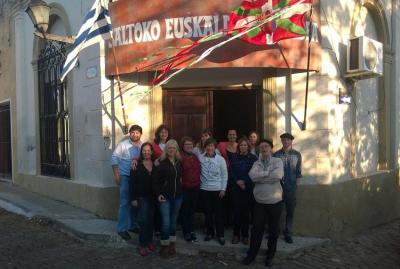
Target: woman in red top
[[227, 149], [162, 135], [191, 187]]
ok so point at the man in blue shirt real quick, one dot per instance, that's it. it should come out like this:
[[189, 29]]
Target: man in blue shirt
[[292, 171], [121, 161]]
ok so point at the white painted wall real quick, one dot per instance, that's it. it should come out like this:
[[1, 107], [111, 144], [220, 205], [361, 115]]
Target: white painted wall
[[326, 144], [26, 118], [366, 101], [396, 82], [90, 160]]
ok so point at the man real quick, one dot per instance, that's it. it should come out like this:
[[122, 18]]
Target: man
[[121, 160], [292, 171], [266, 174]]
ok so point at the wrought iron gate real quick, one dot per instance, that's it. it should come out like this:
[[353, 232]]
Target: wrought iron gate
[[5, 141], [53, 111]]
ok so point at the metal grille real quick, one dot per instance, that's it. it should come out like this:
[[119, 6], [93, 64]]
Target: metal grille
[[5, 141], [53, 111]]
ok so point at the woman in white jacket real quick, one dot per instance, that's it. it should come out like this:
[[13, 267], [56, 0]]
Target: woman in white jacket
[[214, 178], [266, 174]]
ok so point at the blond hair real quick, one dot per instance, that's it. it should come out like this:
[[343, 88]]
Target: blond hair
[[170, 143]]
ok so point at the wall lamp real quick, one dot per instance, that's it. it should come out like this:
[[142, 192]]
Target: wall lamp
[[39, 13]]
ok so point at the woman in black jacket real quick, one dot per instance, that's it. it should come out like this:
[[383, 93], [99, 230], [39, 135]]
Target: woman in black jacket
[[242, 190], [167, 182], [143, 198]]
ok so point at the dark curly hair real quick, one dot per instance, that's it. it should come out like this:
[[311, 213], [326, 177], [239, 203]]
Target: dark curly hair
[[157, 138], [141, 158]]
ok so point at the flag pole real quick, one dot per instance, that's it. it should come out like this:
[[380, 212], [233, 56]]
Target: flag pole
[[125, 129], [310, 28]]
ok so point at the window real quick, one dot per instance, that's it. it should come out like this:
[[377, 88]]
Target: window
[[53, 112]]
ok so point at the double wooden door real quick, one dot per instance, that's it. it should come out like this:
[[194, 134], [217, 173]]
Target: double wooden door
[[187, 112]]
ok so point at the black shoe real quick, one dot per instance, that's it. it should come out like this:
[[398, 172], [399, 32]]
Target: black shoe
[[188, 237], [249, 259], [124, 235], [288, 239], [208, 237], [221, 241], [268, 262], [134, 230], [193, 237]]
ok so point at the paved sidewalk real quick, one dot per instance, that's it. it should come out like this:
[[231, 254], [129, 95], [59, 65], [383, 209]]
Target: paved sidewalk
[[89, 227]]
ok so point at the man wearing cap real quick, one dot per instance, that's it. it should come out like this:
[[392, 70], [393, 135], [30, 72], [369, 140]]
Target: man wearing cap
[[292, 171]]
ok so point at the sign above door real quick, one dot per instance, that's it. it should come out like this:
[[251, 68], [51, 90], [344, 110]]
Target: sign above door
[[142, 28]]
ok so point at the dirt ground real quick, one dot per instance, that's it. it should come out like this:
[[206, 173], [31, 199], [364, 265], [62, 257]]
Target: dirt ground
[[33, 243]]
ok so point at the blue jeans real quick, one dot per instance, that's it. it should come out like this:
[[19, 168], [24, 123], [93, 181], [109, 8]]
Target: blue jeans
[[126, 213], [169, 213], [145, 220]]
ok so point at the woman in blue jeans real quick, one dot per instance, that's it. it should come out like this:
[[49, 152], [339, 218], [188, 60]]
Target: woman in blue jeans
[[143, 198], [167, 183]]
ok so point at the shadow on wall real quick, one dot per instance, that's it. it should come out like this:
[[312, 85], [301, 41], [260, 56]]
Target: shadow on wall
[[133, 95]]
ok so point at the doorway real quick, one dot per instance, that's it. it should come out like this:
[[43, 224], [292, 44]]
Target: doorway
[[234, 109], [5, 141], [189, 111]]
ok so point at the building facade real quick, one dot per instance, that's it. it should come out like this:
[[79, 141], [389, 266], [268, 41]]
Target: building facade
[[63, 134]]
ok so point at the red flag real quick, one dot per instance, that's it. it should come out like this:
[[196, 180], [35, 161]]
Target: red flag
[[290, 25]]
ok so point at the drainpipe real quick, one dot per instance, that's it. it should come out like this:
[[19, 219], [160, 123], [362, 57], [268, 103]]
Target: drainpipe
[[112, 115], [288, 103]]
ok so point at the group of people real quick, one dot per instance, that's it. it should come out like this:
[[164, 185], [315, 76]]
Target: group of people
[[162, 180]]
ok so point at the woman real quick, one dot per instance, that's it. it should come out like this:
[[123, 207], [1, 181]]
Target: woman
[[266, 174], [242, 190], [200, 148], [168, 189], [253, 139], [228, 148], [162, 135], [142, 197], [214, 177], [191, 188]]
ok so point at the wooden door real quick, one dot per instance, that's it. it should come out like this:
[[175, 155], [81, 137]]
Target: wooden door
[[5, 141], [187, 112]]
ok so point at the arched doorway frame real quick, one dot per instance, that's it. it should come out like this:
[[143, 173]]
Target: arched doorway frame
[[57, 13], [377, 11]]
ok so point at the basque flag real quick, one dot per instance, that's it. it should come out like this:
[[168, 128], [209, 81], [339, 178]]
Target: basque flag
[[95, 28], [289, 25]]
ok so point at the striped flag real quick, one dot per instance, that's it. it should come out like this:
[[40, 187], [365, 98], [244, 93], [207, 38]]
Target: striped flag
[[290, 25], [95, 28]]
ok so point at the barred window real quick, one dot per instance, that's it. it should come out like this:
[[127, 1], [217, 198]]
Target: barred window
[[53, 112]]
